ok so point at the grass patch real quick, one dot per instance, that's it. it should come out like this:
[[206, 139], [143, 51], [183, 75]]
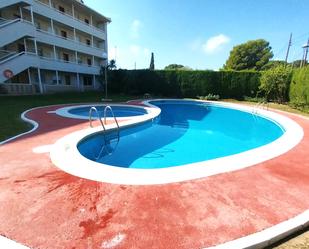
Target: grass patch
[[281, 107], [12, 106]]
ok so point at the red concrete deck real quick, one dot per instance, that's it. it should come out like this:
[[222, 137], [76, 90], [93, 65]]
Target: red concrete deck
[[43, 207]]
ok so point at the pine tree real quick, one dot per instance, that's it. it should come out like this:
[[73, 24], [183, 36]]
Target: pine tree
[[152, 65]]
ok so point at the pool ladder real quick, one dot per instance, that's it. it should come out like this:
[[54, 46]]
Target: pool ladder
[[260, 105], [107, 108], [94, 109]]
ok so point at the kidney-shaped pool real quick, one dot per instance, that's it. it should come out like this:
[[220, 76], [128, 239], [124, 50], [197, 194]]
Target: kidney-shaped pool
[[187, 140]]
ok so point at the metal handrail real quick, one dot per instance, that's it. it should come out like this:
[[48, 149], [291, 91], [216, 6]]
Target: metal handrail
[[260, 105], [111, 110], [99, 116], [104, 147]]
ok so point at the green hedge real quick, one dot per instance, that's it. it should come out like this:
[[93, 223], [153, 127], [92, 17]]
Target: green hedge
[[227, 84], [299, 87]]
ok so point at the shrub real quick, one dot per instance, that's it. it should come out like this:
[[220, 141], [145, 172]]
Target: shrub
[[275, 83], [175, 83], [209, 97], [299, 88]]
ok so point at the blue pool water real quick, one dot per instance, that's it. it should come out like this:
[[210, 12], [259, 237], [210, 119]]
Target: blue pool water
[[185, 132], [119, 111]]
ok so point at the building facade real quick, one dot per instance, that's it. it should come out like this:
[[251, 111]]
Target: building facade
[[51, 46]]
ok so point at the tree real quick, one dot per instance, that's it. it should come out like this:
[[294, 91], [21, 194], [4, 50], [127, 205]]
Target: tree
[[112, 65], [152, 65], [275, 83], [176, 67], [103, 78], [250, 55], [274, 63]]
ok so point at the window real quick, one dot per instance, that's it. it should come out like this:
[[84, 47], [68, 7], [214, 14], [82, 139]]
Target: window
[[89, 62], [21, 48], [88, 42], [67, 79], [86, 21], [61, 9], [38, 25], [40, 52], [15, 15], [55, 80], [87, 81], [64, 34], [66, 57]]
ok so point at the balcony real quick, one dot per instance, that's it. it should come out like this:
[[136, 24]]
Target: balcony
[[12, 30], [6, 3], [59, 41], [67, 66], [50, 12]]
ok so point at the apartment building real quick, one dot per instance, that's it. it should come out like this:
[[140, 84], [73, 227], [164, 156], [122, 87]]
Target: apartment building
[[51, 46]]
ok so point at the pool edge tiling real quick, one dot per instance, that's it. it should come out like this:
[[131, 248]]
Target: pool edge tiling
[[43, 207]]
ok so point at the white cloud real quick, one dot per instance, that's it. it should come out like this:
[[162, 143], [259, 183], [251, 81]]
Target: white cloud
[[135, 28], [215, 43]]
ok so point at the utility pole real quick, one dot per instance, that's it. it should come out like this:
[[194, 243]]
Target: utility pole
[[304, 60], [288, 51]]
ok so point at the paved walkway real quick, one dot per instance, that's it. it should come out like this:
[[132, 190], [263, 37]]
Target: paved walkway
[[43, 207]]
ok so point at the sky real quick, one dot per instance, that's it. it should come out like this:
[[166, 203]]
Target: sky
[[199, 33]]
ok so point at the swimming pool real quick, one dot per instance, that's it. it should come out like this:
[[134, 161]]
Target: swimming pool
[[184, 133], [177, 141], [120, 111]]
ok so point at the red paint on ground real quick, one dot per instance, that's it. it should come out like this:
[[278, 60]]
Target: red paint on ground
[[44, 207]]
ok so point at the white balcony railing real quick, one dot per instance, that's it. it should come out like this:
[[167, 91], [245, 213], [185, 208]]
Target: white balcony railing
[[12, 30], [68, 66], [70, 20], [67, 43]]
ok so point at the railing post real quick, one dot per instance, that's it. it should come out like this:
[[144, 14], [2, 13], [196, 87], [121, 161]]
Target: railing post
[[31, 11], [36, 47], [57, 77], [74, 32], [21, 12], [29, 76], [40, 80], [52, 25], [73, 11], [78, 81], [55, 55], [25, 45]]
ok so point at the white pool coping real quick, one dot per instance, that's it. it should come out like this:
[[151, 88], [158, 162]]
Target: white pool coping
[[65, 150]]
